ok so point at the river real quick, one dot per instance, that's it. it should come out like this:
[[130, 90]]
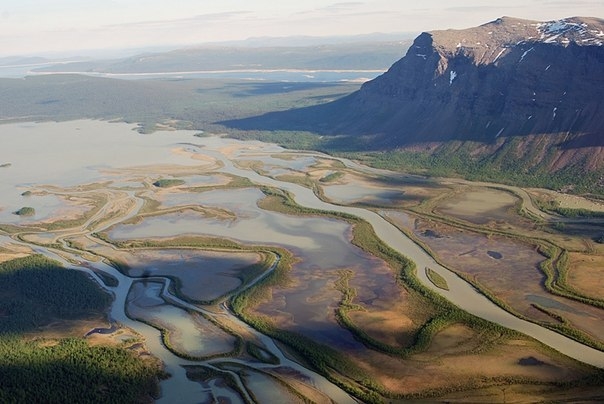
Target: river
[[140, 150]]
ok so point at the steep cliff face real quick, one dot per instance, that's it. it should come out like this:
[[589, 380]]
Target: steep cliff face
[[510, 78], [511, 94]]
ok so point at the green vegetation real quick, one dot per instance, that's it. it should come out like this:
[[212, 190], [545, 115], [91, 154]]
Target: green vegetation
[[168, 182], [553, 206], [327, 360], [71, 371], [446, 313], [578, 213], [260, 353], [158, 102], [26, 211], [332, 177], [448, 163], [37, 291], [154, 102], [554, 267], [436, 279]]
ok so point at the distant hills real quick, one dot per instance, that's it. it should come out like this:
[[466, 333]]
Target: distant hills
[[362, 53], [511, 100], [522, 94]]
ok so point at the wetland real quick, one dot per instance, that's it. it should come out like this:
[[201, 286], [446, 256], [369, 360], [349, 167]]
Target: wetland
[[253, 273]]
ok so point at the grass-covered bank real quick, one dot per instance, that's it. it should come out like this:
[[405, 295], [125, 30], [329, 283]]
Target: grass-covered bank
[[489, 168], [345, 371], [555, 267], [37, 291], [71, 371], [450, 160]]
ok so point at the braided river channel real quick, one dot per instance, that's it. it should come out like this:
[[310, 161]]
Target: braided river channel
[[64, 166]]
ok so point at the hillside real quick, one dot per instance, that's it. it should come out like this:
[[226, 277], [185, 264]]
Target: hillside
[[370, 55], [526, 94]]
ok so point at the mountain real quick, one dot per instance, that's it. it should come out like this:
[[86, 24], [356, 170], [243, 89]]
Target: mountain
[[526, 92], [355, 55]]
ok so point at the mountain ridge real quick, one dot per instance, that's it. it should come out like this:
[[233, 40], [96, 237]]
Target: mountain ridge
[[531, 90]]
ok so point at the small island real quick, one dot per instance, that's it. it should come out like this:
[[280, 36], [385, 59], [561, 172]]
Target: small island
[[5, 165], [168, 182], [26, 211]]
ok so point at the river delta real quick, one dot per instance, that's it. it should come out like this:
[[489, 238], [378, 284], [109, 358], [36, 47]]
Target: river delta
[[180, 259]]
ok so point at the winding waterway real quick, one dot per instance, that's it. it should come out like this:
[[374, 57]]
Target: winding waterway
[[156, 149], [460, 292]]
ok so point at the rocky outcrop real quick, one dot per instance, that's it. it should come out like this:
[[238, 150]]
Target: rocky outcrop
[[538, 84], [506, 78]]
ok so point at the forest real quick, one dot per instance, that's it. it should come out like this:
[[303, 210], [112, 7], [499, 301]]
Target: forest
[[37, 291]]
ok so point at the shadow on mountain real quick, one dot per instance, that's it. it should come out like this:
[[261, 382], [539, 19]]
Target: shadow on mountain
[[585, 141], [438, 99], [248, 90], [321, 119]]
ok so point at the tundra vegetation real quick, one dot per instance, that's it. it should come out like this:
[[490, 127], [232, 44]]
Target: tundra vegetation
[[409, 342], [26, 211], [168, 182], [38, 294]]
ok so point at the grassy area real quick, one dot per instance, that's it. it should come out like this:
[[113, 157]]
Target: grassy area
[[554, 267], [332, 177], [492, 168], [26, 211], [436, 279], [70, 371], [37, 291], [347, 375], [185, 104], [260, 353], [168, 182]]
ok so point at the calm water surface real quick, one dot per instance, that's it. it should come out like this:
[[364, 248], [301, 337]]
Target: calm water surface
[[81, 152]]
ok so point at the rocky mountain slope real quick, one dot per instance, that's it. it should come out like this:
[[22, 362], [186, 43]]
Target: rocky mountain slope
[[533, 91]]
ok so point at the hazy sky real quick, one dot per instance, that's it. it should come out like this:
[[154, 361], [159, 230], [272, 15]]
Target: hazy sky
[[43, 26]]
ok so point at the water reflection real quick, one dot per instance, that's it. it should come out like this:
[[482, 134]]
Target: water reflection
[[86, 152]]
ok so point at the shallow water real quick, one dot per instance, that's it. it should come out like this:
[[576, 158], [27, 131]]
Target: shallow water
[[202, 275], [253, 225], [189, 333], [81, 152], [74, 153], [46, 207]]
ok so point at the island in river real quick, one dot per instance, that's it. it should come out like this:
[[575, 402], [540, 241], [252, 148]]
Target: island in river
[[252, 278]]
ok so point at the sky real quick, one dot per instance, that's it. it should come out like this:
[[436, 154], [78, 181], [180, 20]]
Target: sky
[[45, 27]]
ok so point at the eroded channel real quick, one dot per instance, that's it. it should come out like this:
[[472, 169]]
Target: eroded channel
[[146, 293]]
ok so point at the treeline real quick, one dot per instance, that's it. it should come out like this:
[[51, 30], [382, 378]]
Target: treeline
[[36, 290], [71, 371], [493, 169]]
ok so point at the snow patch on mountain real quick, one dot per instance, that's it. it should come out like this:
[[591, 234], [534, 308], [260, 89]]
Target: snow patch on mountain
[[566, 31]]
